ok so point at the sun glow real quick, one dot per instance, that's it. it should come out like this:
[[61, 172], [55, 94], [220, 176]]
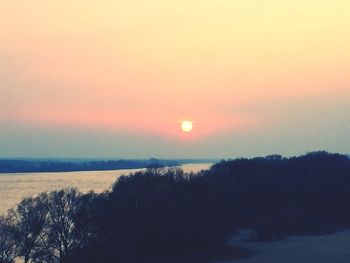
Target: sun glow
[[186, 126]]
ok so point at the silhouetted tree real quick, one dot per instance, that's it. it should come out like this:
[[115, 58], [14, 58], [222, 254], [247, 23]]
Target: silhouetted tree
[[8, 240], [31, 221], [160, 213], [63, 236]]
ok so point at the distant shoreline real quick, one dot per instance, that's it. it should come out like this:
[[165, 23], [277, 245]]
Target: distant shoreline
[[16, 166]]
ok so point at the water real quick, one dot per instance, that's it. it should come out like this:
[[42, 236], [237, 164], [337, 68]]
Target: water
[[14, 187]]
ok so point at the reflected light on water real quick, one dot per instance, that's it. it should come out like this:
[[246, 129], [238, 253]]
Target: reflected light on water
[[15, 186]]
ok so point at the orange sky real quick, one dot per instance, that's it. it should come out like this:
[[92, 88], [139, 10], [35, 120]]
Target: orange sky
[[237, 69]]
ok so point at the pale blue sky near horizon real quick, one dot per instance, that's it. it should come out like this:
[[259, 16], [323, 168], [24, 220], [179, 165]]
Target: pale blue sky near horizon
[[17, 141]]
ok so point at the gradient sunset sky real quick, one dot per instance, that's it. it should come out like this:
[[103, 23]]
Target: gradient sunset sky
[[110, 78]]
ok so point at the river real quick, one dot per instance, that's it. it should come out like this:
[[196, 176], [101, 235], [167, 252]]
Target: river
[[15, 186]]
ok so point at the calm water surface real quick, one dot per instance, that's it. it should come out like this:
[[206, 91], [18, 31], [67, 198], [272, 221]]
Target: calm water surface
[[14, 187]]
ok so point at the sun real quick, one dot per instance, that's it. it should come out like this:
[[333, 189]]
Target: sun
[[186, 126]]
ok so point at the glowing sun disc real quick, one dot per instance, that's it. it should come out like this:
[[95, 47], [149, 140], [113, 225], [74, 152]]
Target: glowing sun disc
[[186, 126]]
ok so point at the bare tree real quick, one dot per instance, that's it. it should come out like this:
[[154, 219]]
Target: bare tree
[[31, 220], [64, 235], [8, 240]]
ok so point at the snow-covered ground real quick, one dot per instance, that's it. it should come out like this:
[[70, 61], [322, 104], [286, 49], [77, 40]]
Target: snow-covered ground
[[330, 248]]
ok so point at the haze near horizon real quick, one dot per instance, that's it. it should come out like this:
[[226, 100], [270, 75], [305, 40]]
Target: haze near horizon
[[119, 78]]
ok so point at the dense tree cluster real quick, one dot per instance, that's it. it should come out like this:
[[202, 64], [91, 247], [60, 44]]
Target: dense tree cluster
[[162, 213]]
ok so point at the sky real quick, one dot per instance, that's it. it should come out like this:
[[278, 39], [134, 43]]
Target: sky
[[111, 78]]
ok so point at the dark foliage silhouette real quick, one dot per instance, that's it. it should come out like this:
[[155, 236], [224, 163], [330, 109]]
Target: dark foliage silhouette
[[8, 240], [162, 213], [30, 223]]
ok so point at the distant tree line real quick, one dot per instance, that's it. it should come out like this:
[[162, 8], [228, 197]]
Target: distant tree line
[[162, 213], [23, 166]]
